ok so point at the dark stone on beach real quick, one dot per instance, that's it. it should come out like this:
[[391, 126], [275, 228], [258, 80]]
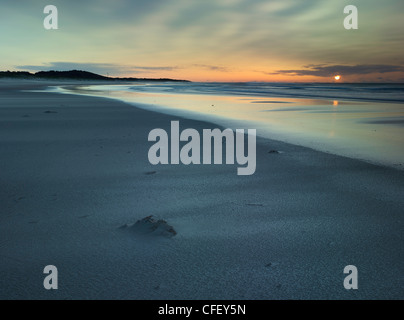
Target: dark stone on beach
[[150, 173], [152, 226], [271, 265], [19, 199]]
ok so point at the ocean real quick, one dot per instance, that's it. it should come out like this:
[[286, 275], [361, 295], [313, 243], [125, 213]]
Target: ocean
[[362, 121]]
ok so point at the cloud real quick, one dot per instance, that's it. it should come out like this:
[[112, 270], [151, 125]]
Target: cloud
[[331, 70], [113, 69], [210, 67], [100, 68], [226, 39], [154, 68]]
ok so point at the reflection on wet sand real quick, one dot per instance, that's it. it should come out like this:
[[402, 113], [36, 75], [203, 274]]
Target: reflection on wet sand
[[370, 131]]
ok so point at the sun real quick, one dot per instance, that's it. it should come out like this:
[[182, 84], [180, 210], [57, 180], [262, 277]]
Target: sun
[[337, 77]]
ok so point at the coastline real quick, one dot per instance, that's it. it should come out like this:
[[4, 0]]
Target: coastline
[[370, 132], [72, 176]]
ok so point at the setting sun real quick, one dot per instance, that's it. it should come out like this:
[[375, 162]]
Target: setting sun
[[337, 77]]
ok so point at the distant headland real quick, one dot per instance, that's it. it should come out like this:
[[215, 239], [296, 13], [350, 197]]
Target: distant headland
[[73, 75]]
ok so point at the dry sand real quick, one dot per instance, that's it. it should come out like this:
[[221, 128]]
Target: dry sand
[[74, 169]]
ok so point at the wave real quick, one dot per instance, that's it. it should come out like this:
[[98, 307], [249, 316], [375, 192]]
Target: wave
[[365, 92]]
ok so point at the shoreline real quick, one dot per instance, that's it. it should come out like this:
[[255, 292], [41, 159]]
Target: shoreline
[[71, 178], [78, 83], [386, 154]]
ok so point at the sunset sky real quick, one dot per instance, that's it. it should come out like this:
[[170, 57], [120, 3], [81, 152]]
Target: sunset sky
[[208, 40]]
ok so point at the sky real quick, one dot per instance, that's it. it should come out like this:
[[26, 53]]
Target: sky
[[208, 40]]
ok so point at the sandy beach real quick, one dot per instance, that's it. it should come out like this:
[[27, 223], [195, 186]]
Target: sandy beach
[[74, 170]]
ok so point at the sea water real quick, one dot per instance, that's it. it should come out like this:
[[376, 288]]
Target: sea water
[[364, 121]]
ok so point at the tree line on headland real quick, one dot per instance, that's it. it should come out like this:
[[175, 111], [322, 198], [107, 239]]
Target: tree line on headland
[[72, 75]]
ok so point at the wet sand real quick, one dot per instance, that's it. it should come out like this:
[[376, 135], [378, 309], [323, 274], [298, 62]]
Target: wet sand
[[74, 169]]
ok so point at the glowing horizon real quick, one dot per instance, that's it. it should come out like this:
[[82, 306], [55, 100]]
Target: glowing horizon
[[227, 40]]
